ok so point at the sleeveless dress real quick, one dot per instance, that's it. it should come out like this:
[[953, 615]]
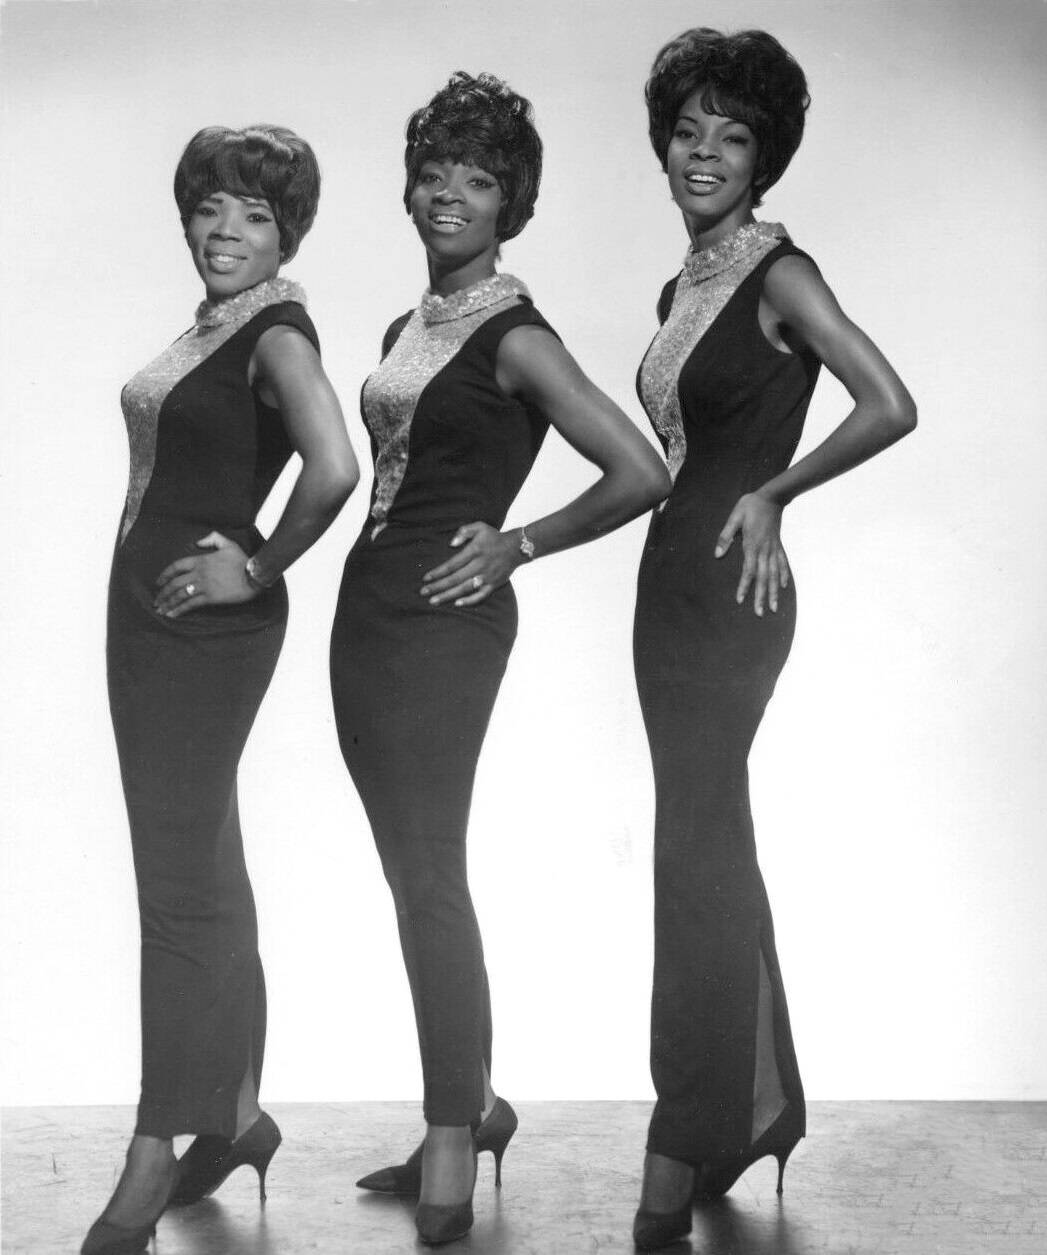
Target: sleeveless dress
[[414, 684], [205, 452], [729, 409]]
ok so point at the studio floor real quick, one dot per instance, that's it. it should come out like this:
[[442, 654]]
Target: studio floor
[[871, 1178]]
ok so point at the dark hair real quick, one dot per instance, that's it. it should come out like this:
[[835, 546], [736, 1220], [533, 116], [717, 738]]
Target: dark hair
[[480, 122], [747, 76], [269, 162]]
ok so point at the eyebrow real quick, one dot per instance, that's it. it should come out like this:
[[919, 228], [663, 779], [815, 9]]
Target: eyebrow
[[246, 200], [727, 121]]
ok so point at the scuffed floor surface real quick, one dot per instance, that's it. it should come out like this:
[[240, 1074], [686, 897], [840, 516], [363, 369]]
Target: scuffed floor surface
[[872, 1178]]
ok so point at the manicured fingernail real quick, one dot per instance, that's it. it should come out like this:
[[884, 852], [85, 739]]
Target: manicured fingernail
[[718, 551], [425, 591], [459, 602], [434, 601]]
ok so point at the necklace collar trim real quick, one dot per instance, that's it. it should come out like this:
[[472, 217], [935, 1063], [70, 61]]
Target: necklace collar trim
[[742, 243], [244, 305], [470, 300]]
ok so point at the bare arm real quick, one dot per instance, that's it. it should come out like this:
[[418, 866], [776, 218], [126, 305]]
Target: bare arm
[[798, 309], [286, 370], [535, 367]]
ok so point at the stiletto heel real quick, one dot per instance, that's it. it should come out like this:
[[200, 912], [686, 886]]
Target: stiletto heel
[[780, 1139], [211, 1159], [405, 1179], [495, 1134]]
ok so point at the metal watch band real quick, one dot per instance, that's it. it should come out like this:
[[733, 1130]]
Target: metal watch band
[[251, 571]]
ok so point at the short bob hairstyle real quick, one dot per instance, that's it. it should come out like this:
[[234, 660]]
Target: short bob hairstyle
[[480, 122], [747, 76], [269, 162]]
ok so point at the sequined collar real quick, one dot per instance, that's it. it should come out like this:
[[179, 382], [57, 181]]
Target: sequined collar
[[735, 248], [469, 300], [244, 305]]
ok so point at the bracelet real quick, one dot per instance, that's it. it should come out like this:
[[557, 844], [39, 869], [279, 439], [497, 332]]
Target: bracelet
[[526, 545], [251, 572]]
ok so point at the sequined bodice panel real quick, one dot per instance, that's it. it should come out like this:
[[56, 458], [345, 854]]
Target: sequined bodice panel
[[449, 446], [204, 448], [727, 405], [205, 452]]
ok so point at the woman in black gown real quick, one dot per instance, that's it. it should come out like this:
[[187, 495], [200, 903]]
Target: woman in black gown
[[726, 382], [468, 385], [197, 609]]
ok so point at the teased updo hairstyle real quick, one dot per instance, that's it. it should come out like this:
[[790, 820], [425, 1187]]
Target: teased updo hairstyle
[[268, 162], [748, 76], [480, 122]]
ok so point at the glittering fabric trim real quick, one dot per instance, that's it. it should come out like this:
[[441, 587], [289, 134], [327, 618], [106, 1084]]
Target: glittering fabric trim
[[466, 301], [706, 283], [145, 393], [435, 332]]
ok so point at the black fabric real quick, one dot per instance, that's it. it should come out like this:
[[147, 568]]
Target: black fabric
[[705, 669], [414, 686], [183, 695]]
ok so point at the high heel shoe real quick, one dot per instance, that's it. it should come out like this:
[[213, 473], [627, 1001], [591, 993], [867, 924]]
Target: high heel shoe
[[405, 1179], [106, 1238], [438, 1223], [654, 1229], [210, 1159], [778, 1139]]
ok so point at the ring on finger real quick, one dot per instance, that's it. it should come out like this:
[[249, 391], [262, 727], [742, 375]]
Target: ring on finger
[[478, 581], [190, 590]]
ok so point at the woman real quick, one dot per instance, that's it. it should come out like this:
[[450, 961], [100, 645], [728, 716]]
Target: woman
[[726, 383], [197, 609], [468, 385]]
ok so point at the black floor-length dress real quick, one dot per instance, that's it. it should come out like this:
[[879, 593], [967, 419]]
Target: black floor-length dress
[[414, 684], [729, 410], [205, 451]]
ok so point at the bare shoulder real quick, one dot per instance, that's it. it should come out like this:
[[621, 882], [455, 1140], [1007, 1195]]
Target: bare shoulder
[[794, 288], [522, 342], [282, 339]]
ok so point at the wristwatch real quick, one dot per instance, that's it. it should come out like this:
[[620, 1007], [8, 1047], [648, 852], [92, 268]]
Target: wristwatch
[[253, 578], [526, 545]]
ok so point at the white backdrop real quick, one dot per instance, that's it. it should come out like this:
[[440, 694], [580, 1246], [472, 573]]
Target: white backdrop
[[898, 780]]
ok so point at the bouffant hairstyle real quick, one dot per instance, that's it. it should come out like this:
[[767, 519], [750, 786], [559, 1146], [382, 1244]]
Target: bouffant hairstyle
[[480, 122], [268, 162], [747, 76]]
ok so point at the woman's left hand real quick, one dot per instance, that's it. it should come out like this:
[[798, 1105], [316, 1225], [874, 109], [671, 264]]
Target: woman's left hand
[[759, 520], [485, 560], [216, 578]]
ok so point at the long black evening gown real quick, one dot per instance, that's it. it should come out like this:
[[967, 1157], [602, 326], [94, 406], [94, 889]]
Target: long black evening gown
[[414, 684], [205, 451], [729, 410]]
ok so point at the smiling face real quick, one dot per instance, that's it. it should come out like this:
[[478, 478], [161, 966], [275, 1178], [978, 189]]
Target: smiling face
[[455, 211], [711, 163], [235, 243]]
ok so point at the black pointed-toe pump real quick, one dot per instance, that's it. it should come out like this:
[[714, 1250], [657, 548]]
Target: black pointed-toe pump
[[211, 1159], [106, 1238], [440, 1223], [405, 1179], [779, 1139]]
